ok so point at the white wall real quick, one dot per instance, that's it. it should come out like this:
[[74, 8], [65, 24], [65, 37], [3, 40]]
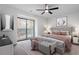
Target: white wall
[[72, 19], [4, 9]]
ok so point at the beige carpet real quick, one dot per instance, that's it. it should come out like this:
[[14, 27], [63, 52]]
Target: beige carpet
[[24, 48]]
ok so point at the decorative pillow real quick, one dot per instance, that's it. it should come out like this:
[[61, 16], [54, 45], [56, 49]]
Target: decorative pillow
[[63, 33], [57, 33], [60, 33]]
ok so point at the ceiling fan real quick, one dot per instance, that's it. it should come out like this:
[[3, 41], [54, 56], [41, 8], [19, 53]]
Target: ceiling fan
[[47, 9]]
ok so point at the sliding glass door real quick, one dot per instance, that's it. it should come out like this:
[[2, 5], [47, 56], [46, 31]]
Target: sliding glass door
[[25, 28], [30, 28]]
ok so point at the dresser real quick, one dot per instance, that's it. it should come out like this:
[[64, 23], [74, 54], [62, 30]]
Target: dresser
[[7, 50], [6, 46]]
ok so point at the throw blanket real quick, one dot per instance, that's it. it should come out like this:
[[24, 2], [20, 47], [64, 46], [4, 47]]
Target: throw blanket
[[65, 38]]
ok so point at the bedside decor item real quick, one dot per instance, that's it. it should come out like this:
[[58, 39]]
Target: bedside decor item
[[62, 21], [47, 29], [7, 23]]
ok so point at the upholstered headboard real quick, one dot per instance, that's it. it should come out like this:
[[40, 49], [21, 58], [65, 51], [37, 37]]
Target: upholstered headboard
[[69, 29]]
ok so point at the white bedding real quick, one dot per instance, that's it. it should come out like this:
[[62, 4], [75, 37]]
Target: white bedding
[[60, 45]]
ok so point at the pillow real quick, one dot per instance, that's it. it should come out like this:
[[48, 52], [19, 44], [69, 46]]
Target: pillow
[[57, 33], [64, 33], [61, 33]]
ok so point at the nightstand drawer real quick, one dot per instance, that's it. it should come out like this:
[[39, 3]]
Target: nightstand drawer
[[76, 40]]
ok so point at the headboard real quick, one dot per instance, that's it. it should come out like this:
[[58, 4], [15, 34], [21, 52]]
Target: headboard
[[69, 29]]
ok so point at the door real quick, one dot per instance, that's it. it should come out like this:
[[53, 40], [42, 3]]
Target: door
[[25, 28], [30, 28]]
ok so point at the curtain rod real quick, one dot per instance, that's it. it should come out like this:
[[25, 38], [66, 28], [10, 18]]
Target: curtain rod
[[22, 18]]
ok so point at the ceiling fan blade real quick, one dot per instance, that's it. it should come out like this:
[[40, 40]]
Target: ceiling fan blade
[[50, 12], [40, 9], [42, 13], [54, 8]]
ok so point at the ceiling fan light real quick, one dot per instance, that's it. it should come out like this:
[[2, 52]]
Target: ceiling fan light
[[46, 11]]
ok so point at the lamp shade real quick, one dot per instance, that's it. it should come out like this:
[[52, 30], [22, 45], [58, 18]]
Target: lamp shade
[[47, 28]]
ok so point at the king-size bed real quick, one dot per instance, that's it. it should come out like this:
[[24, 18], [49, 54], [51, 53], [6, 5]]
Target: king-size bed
[[62, 37]]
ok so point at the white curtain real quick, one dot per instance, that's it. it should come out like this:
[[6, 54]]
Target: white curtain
[[7, 20]]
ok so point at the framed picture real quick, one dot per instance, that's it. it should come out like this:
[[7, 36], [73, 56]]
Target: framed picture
[[62, 21]]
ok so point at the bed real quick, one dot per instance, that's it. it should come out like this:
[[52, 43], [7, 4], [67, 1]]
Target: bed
[[62, 34]]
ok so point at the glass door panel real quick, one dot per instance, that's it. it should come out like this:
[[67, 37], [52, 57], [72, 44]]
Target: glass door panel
[[21, 29], [30, 28], [25, 28]]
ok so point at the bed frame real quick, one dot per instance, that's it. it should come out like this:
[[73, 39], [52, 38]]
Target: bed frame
[[69, 29]]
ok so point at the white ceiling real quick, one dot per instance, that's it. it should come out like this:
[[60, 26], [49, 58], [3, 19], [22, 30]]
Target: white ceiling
[[63, 9]]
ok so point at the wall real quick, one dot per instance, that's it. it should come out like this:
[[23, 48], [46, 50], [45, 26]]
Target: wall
[[72, 20], [39, 21]]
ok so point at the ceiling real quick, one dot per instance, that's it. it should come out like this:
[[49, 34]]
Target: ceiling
[[64, 9]]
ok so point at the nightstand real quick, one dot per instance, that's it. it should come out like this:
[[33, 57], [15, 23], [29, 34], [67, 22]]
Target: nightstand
[[75, 40]]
